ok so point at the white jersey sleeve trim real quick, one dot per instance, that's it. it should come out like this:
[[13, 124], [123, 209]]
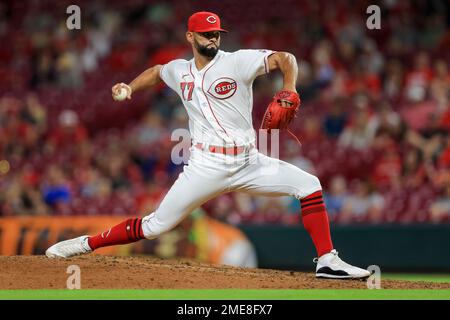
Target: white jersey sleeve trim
[[160, 72], [266, 61]]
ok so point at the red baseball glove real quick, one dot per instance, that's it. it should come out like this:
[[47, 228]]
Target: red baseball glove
[[278, 116]]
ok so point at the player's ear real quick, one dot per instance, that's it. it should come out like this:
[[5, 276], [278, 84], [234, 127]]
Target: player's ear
[[190, 37]]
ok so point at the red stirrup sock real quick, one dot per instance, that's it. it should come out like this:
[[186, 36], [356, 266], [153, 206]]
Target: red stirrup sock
[[315, 221], [126, 232]]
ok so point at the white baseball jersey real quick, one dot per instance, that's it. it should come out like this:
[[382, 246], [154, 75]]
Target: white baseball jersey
[[219, 98], [219, 102]]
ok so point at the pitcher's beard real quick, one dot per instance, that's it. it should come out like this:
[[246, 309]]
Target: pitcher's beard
[[205, 51]]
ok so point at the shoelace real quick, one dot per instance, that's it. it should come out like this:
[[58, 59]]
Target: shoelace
[[335, 260], [70, 248], [334, 252], [85, 245], [339, 261]]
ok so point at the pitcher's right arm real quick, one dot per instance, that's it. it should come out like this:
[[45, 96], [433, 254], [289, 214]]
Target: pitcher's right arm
[[146, 79]]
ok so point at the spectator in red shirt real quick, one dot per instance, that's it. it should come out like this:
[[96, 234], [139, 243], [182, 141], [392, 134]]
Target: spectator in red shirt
[[69, 130], [417, 80], [387, 168], [413, 169]]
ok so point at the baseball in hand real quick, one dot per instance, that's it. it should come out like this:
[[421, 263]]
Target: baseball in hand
[[120, 94]]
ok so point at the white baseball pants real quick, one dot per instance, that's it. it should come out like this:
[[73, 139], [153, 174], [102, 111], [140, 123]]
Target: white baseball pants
[[208, 175]]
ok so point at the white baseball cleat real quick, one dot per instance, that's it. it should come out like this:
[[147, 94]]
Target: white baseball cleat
[[331, 266], [69, 248]]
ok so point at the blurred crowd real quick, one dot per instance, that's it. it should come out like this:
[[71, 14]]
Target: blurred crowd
[[373, 124]]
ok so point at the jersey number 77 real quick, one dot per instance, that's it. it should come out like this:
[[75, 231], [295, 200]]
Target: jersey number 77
[[190, 88]]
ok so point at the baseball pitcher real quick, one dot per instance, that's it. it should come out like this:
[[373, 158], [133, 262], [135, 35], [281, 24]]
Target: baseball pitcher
[[216, 88]]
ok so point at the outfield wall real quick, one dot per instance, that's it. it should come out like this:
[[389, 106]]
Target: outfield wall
[[412, 248]]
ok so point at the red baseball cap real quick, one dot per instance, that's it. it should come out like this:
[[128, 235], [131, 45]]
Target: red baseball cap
[[204, 21]]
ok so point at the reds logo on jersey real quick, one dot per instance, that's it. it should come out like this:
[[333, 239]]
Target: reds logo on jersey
[[223, 88]]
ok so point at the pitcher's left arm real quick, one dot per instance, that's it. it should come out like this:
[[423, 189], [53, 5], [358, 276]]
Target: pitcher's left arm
[[287, 64], [285, 104]]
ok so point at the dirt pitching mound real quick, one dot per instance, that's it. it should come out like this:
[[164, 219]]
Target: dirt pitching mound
[[106, 272]]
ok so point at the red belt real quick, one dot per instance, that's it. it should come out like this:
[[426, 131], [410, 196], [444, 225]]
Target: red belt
[[223, 150]]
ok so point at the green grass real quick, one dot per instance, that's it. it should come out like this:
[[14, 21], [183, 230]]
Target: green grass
[[225, 294], [417, 277], [239, 294]]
